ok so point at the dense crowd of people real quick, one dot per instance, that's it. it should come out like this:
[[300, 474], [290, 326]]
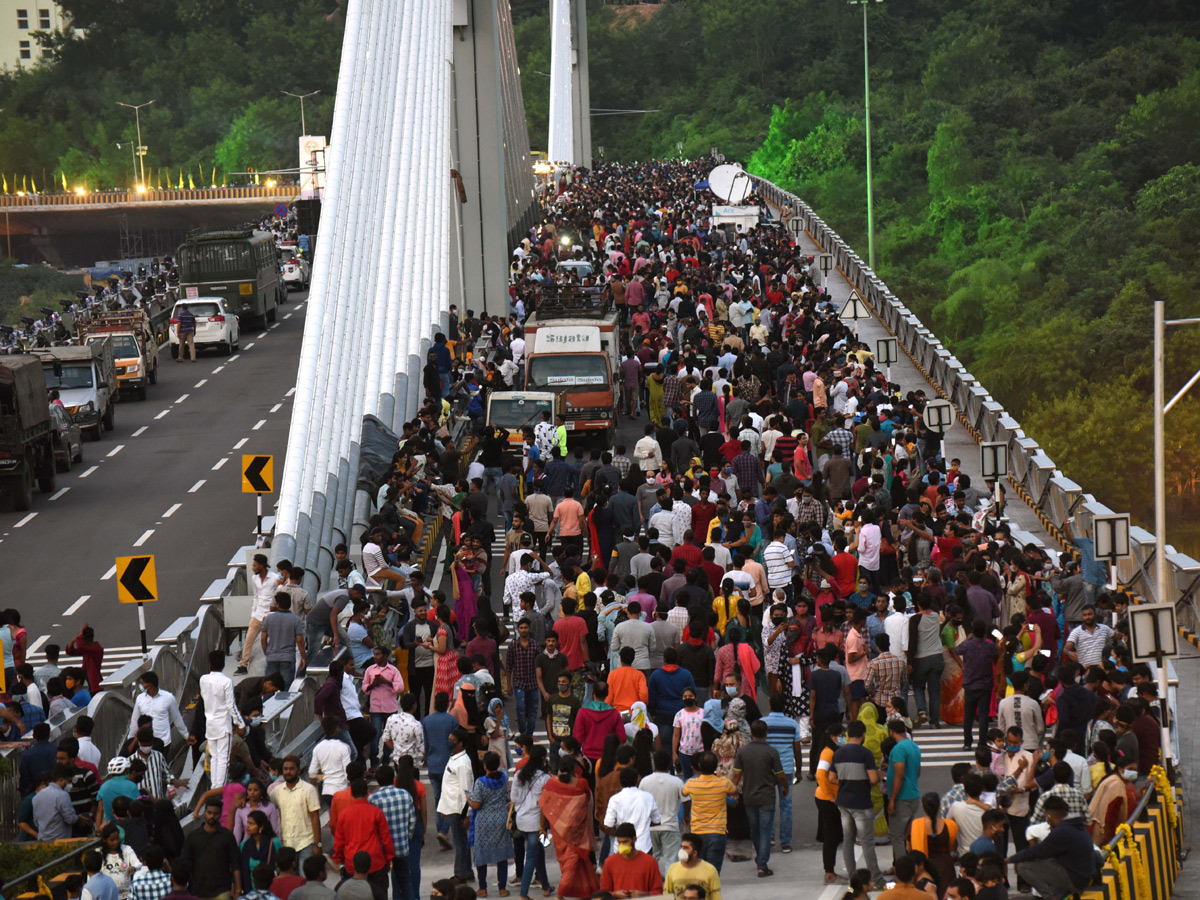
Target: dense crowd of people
[[781, 579]]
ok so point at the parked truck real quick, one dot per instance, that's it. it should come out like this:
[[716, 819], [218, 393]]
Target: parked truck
[[26, 435], [86, 380], [573, 349], [134, 343]]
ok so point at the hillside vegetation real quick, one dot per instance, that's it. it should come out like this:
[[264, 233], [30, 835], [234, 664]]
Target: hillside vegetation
[[214, 68], [1036, 171]]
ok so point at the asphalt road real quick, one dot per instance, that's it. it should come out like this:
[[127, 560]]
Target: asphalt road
[[166, 481]]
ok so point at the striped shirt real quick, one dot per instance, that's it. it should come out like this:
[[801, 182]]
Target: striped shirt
[[1090, 645], [776, 557], [783, 733], [158, 775], [707, 794]]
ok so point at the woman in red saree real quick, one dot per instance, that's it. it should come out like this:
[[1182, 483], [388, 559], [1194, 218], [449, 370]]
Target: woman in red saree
[[566, 805]]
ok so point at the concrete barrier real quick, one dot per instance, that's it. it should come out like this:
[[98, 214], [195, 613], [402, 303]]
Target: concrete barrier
[[1143, 859]]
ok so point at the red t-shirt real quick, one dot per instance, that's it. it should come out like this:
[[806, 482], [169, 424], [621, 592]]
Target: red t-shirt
[[283, 885], [572, 640], [846, 567]]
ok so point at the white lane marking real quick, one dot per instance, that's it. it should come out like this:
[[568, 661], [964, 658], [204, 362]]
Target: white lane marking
[[89, 472], [109, 574], [261, 336], [290, 392], [248, 346], [202, 382], [217, 369], [170, 512], [37, 645], [195, 487], [236, 355], [140, 431], [273, 327], [220, 462], [182, 398], [261, 423], [299, 306], [25, 521], [276, 407], [240, 444], [163, 413], [145, 537], [115, 450], [59, 493], [288, 316], [71, 610]]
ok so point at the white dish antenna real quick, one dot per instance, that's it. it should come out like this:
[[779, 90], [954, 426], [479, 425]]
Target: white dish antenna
[[730, 183]]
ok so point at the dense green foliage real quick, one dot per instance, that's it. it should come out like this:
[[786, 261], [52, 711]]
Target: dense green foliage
[[1036, 171], [24, 289], [214, 68]]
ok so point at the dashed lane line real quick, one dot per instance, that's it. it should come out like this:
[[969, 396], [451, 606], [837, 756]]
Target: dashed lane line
[[202, 382], [261, 423], [182, 398], [59, 493], [163, 413], [195, 487], [170, 512], [109, 574], [89, 472], [115, 450], [220, 462], [140, 431], [145, 537], [70, 611], [240, 444], [25, 521], [276, 407]]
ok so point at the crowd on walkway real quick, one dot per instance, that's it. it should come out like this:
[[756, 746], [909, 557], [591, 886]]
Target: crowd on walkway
[[782, 579]]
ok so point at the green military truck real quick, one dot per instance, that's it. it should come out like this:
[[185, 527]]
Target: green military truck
[[26, 435]]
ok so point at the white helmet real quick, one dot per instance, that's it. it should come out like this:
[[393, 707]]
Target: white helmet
[[118, 765]]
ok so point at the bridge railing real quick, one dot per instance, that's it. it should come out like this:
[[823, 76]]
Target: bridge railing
[[1051, 494], [281, 192]]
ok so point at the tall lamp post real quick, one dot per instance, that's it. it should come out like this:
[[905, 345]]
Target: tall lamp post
[[141, 150], [301, 98], [1160, 445], [867, 94]]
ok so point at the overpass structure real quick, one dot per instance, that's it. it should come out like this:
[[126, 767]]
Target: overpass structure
[[429, 183], [76, 229]]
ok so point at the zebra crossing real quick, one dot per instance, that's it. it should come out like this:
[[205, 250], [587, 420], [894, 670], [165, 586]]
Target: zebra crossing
[[114, 658]]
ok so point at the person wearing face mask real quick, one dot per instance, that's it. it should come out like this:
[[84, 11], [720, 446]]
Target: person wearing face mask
[[630, 872], [158, 774], [691, 871], [161, 707], [1016, 762], [1114, 798]]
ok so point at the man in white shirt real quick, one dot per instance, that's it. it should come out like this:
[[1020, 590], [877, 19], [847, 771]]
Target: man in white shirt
[[632, 804], [375, 564], [264, 583], [221, 717], [88, 751], [457, 781], [330, 757], [647, 452], [666, 523], [896, 625], [160, 707]]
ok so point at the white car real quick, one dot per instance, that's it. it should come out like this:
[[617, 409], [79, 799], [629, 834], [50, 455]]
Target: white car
[[296, 273], [216, 324]]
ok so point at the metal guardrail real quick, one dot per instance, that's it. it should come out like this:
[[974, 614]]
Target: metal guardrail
[[285, 193], [1049, 492]]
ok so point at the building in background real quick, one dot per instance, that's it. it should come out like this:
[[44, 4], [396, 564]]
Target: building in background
[[20, 21]]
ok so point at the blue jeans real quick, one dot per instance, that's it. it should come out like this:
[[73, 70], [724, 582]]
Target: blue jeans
[[927, 680], [440, 821], [406, 870], [491, 478], [462, 850], [712, 849], [286, 669], [528, 701], [685, 765], [530, 860], [785, 811], [378, 720], [762, 825]]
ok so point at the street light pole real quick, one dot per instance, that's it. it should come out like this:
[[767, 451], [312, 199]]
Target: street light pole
[[1160, 444], [141, 150], [301, 98], [132, 157], [867, 104]]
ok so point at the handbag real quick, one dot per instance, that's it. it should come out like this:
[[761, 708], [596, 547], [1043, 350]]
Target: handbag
[[511, 823]]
